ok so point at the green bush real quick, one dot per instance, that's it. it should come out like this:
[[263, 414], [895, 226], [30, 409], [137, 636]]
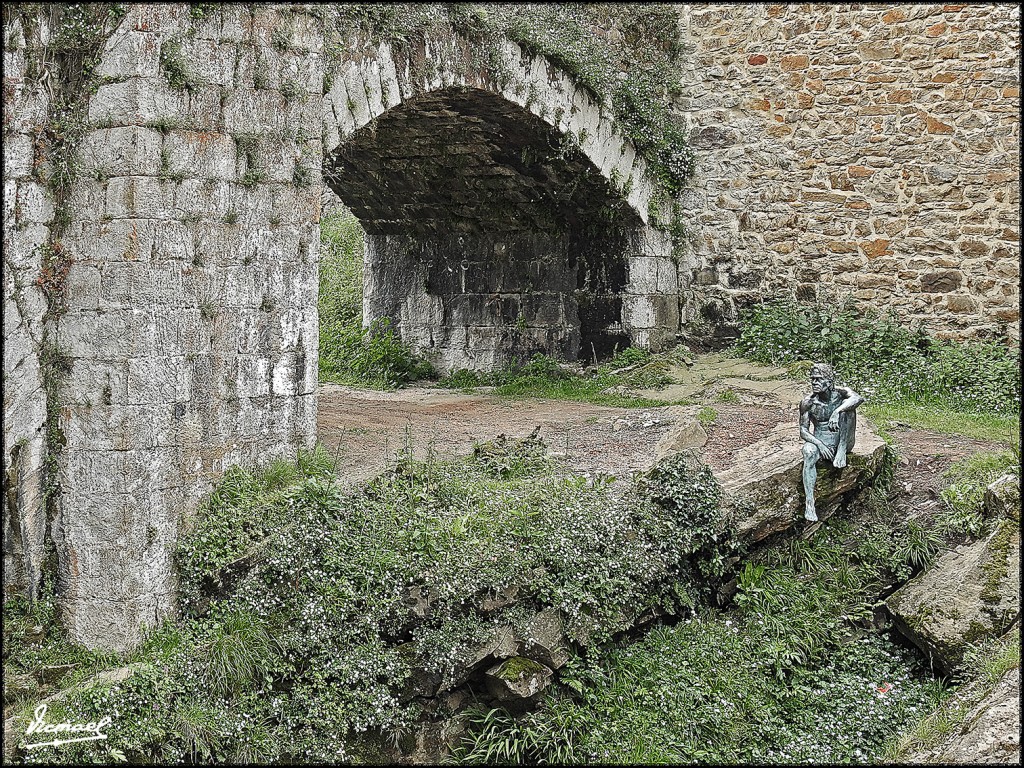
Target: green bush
[[297, 639], [781, 679], [884, 360]]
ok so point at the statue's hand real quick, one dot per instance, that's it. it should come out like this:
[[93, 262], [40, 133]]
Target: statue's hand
[[827, 452], [833, 421]]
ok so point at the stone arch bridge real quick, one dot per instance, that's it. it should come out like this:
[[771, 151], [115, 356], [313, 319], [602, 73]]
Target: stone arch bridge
[[505, 215]]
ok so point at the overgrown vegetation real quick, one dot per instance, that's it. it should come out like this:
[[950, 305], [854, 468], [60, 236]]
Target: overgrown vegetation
[[784, 678], [964, 496], [37, 655], [887, 362], [349, 353], [308, 610], [983, 667]]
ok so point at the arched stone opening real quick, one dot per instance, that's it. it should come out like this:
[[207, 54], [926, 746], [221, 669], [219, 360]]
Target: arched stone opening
[[490, 235]]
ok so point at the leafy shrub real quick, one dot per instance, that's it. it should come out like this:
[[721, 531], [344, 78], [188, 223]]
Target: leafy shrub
[[297, 638], [883, 359], [701, 692], [779, 679]]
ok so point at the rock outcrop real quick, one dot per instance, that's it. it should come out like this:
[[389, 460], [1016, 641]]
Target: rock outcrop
[[990, 733], [969, 594], [1002, 498], [763, 488]]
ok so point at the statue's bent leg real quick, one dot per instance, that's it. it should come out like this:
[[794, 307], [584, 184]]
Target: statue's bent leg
[[811, 456], [847, 436]]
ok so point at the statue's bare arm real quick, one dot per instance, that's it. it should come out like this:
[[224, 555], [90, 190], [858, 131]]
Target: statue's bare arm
[[850, 401]]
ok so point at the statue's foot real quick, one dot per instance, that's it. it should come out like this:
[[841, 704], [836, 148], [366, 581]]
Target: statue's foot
[[840, 461], [810, 515]]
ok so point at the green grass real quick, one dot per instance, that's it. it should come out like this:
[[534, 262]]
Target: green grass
[[963, 497], [981, 426], [779, 679], [545, 377], [34, 641]]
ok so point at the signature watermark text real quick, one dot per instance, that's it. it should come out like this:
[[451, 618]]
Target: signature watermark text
[[39, 726]]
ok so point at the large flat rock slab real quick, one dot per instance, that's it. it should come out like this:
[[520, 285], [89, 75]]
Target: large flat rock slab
[[968, 594], [763, 484], [708, 375]]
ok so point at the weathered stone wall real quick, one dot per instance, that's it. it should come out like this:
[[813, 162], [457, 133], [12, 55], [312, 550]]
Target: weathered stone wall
[[28, 212], [861, 151], [191, 327]]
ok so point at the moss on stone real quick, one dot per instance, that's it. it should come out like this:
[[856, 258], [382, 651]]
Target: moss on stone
[[517, 668], [997, 565]]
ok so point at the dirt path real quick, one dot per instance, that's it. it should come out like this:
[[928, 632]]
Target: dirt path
[[924, 457], [366, 428]]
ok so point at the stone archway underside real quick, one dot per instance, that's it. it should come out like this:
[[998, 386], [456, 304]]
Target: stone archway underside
[[489, 237]]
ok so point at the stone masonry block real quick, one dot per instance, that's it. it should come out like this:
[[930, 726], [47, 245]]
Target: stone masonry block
[[370, 74], [202, 154], [358, 102], [123, 151], [391, 91], [255, 376], [638, 312], [211, 62], [140, 197], [18, 155], [95, 335], [83, 286], [154, 380], [207, 199], [643, 274], [668, 277], [105, 243], [34, 204], [137, 101], [259, 111], [130, 53]]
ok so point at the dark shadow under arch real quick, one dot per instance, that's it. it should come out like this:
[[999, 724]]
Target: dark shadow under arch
[[490, 235]]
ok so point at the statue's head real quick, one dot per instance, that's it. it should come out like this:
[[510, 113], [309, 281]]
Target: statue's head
[[823, 377]]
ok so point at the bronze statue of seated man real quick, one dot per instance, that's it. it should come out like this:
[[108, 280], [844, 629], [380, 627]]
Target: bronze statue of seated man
[[828, 425]]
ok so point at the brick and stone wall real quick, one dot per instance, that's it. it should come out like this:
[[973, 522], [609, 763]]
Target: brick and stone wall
[[867, 151]]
